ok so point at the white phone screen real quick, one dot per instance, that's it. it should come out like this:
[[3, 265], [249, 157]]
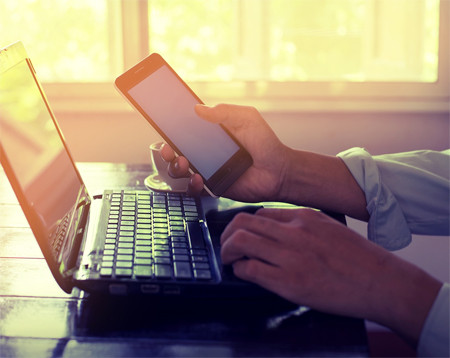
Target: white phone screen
[[171, 106]]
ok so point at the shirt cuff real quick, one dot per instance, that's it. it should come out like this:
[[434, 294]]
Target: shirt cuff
[[387, 225], [434, 339]]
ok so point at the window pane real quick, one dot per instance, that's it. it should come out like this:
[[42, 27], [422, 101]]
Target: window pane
[[195, 36], [298, 40], [381, 40], [67, 40]]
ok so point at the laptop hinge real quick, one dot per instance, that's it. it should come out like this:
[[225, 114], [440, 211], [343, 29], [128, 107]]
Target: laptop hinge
[[83, 214]]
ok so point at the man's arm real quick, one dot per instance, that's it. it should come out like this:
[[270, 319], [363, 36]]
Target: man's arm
[[311, 259], [278, 173], [322, 182]]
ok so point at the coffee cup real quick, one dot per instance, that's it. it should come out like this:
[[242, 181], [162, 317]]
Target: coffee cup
[[160, 179]]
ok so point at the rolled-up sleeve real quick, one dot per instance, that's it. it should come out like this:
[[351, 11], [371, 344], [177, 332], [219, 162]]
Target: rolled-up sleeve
[[434, 339], [406, 193]]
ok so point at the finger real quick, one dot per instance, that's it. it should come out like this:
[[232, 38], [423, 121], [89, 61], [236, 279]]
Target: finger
[[179, 168], [232, 116], [244, 244], [195, 186], [167, 152], [258, 272], [257, 224]]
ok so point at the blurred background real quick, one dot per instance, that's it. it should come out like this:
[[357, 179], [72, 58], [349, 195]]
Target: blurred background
[[326, 74]]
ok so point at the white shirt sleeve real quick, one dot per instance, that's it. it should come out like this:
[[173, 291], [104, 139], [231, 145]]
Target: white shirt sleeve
[[434, 339], [406, 193]]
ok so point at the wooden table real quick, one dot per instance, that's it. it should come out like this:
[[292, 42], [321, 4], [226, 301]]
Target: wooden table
[[38, 319]]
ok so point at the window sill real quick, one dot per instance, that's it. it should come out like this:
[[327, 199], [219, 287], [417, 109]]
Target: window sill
[[103, 98]]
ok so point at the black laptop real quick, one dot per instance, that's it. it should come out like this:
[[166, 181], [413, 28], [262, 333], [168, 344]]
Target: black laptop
[[120, 242]]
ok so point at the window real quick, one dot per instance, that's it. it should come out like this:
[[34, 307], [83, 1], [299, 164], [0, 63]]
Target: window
[[307, 40], [68, 41], [277, 54]]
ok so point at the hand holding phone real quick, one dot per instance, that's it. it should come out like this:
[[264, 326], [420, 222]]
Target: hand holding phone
[[263, 180], [164, 99]]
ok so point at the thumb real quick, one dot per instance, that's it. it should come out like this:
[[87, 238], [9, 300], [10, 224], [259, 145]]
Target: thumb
[[231, 116]]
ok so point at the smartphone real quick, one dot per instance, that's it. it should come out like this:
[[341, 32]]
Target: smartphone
[[166, 101]]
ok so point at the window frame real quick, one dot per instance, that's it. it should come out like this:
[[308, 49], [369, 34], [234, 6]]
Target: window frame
[[101, 97]]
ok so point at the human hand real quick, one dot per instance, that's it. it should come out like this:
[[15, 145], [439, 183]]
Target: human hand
[[300, 254], [313, 260], [263, 179]]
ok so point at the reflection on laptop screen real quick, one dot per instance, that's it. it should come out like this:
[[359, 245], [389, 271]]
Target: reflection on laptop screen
[[36, 153]]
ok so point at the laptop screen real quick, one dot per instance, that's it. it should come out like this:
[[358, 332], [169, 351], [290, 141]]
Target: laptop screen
[[41, 165]]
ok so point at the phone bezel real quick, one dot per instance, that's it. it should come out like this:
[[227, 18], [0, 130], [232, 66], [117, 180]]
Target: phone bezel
[[230, 171]]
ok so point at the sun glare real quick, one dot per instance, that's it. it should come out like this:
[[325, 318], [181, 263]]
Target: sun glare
[[223, 40]]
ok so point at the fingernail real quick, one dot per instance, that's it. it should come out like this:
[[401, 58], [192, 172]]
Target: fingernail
[[176, 165], [200, 107]]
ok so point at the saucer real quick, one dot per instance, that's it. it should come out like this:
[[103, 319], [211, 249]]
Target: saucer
[[170, 185]]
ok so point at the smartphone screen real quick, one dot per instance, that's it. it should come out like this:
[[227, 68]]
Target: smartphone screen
[[165, 99], [160, 95]]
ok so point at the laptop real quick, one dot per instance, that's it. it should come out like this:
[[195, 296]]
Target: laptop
[[119, 242]]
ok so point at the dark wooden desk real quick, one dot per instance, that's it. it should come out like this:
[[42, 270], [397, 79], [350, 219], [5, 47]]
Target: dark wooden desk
[[38, 319]]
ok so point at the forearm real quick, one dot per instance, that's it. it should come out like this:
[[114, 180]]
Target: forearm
[[323, 182], [402, 298]]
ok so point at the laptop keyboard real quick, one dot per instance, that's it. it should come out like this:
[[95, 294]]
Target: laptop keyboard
[[154, 236]]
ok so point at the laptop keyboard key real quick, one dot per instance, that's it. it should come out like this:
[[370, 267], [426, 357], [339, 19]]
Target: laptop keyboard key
[[180, 257], [109, 264], [182, 270], [123, 272], [106, 271], [200, 266], [143, 255], [124, 257], [145, 248], [179, 251], [124, 264], [163, 271], [162, 254], [195, 235], [143, 271], [143, 261], [124, 251], [163, 260], [200, 258], [202, 274]]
